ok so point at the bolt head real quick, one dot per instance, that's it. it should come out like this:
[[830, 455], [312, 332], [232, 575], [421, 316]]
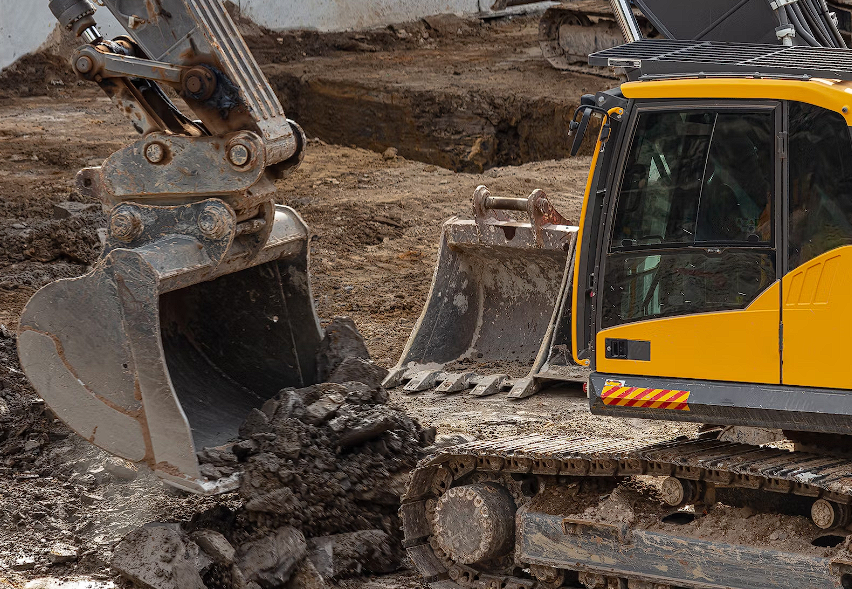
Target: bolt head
[[213, 222], [239, 155], [84, 64], [155, 153], [125, 224], [194, 83]]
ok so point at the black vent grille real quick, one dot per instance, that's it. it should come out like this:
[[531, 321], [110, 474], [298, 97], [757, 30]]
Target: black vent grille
[[672, 58]]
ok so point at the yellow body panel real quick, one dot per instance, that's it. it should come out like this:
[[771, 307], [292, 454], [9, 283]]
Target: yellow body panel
[[817, 316], [737, 346], [829, 94]]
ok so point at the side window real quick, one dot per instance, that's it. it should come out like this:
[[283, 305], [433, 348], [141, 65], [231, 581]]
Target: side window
[[693, 228], [820, 183]]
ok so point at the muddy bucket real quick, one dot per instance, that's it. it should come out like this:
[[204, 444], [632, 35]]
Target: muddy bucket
[[182, 327], [498, 313]]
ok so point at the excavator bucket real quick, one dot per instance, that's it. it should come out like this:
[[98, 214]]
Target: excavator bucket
[[498, 313], [163, 348]]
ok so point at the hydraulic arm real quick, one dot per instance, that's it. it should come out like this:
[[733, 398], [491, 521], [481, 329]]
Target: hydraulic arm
[[200, 306]]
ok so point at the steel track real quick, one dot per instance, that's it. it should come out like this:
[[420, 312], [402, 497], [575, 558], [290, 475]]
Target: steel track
[[721, 463]]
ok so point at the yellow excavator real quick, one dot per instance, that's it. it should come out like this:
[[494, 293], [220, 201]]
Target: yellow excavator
[[709, 282]]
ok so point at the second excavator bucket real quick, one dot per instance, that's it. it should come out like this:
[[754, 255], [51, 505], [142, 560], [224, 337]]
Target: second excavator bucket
[[164, 347], [498, 313]]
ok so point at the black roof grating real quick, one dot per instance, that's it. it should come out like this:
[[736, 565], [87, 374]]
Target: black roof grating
[[667, 58]]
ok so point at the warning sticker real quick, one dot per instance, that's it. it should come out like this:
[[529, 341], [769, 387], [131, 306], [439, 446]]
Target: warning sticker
[[616, 393]]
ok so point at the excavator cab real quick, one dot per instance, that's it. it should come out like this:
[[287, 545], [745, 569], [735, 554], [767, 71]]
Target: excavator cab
[[200, 306], [711, 266]]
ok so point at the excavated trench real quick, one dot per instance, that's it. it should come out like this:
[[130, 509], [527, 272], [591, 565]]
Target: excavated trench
[[465, 106]]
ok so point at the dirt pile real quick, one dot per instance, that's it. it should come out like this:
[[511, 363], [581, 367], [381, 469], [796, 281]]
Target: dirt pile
[[323, 468]]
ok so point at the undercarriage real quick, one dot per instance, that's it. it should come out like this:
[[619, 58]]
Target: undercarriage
[[539, 512]]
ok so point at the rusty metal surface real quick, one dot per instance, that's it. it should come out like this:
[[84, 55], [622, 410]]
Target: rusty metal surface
[[656, 557], [498, 296]]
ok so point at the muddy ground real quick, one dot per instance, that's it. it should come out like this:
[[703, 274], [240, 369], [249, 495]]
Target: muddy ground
[[376, 222]]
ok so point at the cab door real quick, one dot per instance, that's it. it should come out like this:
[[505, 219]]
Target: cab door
[[690, 272], [817, 308]]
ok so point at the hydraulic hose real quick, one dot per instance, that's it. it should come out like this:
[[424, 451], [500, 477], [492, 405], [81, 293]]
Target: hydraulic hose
[[816, 23], [800, 26], [804, 17], [832, 26]]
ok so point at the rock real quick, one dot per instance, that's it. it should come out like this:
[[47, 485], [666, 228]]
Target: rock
[[120, 468], [158, 557], [215, 545], [428, 435], [67, 209], [324, 409], [366, 429], [355, 553], [245, 448], [25, 563], [289, 404], [390, 153], [447, 25], [454, 439], [354, 369], [31, 445], [278, 501], [62, 553], [90, 499], [306, 576], [256, 422], [342, 340], [271, 560]]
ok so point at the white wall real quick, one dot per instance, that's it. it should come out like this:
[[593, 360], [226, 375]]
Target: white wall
[[26, 24], [335, 15]]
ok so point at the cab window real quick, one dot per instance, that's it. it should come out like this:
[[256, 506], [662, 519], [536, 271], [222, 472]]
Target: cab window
[[693, 230], [820, 183]]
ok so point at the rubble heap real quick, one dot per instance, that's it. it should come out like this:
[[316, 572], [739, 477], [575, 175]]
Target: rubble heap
[[323, 469]]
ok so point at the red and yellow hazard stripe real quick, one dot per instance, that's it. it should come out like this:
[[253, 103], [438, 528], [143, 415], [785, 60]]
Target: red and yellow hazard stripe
[[624, 396]]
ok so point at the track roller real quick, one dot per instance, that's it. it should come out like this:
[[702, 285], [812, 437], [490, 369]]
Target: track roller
[[827, 514], [679, 492], [475, 523]]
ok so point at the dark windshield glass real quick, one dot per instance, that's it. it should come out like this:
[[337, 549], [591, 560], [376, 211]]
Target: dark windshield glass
[[693, 231], [697, 177], [820, 183]]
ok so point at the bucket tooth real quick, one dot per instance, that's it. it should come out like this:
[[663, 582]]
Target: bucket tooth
[[489, 385], [455, 382], [422, 381], [523, 388], [167, 343], [395, 377]]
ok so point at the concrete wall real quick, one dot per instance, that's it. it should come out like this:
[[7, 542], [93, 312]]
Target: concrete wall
[[26, 24], [335, 15]]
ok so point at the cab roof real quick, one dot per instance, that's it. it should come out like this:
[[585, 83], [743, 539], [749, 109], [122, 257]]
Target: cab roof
[[666, 69]]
